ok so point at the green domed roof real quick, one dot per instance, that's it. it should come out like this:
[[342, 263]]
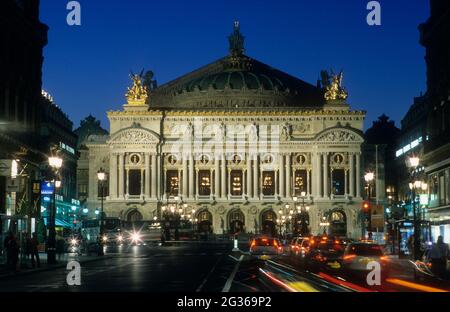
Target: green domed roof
[[236, 81]]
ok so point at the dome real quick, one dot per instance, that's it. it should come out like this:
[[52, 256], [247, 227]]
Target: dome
[[236, 81]]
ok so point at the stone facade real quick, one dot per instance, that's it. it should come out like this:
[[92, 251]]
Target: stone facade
[[243, 163]]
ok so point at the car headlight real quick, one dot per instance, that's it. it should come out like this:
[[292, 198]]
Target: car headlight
[[73, 242], [105, 238], [120, 238], [135, 237]]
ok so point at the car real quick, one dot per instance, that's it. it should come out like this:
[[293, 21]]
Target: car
[[265, 248], [325, 254], [294, 245], [358, 255]]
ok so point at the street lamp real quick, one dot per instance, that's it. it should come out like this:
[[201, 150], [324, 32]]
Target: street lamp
[[302, 214], [369, 177], [55, 164], [101, 176], [412, 163]]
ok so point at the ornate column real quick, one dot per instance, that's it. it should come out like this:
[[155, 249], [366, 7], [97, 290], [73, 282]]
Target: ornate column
[[147, 175], [326, 185], [358, 175], [113, 175], [256, 182], [180, 186], [127, 182], [216, 176], [121, 175], [249, 177], [352, 174], [191, 176], [346, 181], [317, 175], [185, 177], [308, 181], [281, 177], [196, 183], [288, 175], [154, 177], [161, 179], [223, 178], [142, 182]]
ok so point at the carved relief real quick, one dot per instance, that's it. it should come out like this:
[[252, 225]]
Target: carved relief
[[338, 136], [135, 136]]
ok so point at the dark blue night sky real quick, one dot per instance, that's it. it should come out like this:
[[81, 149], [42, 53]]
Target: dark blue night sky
[[86, 67]]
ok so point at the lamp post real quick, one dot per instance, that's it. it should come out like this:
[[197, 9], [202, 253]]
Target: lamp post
[[303, 215], [412, 163], [171, 212], [55, 163], [286, 214], [369, 177], [101, 176]]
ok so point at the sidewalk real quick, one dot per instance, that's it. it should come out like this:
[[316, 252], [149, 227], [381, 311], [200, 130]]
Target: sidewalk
[[25, 267]]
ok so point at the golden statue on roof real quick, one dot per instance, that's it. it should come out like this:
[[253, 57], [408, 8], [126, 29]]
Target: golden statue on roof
[[332, 85], [138, 93]]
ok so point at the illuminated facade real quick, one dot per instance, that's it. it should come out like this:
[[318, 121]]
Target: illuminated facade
[[238, 142]]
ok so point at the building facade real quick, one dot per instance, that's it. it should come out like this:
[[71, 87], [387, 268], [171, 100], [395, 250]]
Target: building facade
[[379, 158], [235, 146], [435, 37], [88, 127], [23, 38]]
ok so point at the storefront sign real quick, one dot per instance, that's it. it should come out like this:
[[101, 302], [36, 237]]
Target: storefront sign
[[47, 188]]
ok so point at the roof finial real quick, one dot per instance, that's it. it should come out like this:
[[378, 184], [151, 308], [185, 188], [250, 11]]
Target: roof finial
[[236, 40]]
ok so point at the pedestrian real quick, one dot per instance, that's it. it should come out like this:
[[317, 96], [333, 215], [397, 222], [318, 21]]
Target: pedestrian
[[411, 246], [14, 250], [27, 249], [34, 243], [7, 249], [438, 257], [59, 247]]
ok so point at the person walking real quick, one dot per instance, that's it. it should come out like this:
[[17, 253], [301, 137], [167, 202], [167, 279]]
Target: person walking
[[7, 249], [27, 247], [438, 257], [34, 243], [14, 250], [60, 247]]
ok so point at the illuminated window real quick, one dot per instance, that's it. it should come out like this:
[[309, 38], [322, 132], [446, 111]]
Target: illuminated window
[[236, 182], [300, 182], [172, 185], [204, 181], [268, 183]]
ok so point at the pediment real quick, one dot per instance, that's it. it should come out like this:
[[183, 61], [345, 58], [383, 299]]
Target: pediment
[[135, 136], [339, 135]]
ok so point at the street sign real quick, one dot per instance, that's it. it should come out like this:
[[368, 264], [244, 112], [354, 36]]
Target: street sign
[[12, 185], [47, 188]]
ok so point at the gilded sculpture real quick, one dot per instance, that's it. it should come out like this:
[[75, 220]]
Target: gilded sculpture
[[138, 93], [332, 85]]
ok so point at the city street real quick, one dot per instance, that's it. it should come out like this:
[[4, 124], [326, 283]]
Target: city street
[[194, 267]]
